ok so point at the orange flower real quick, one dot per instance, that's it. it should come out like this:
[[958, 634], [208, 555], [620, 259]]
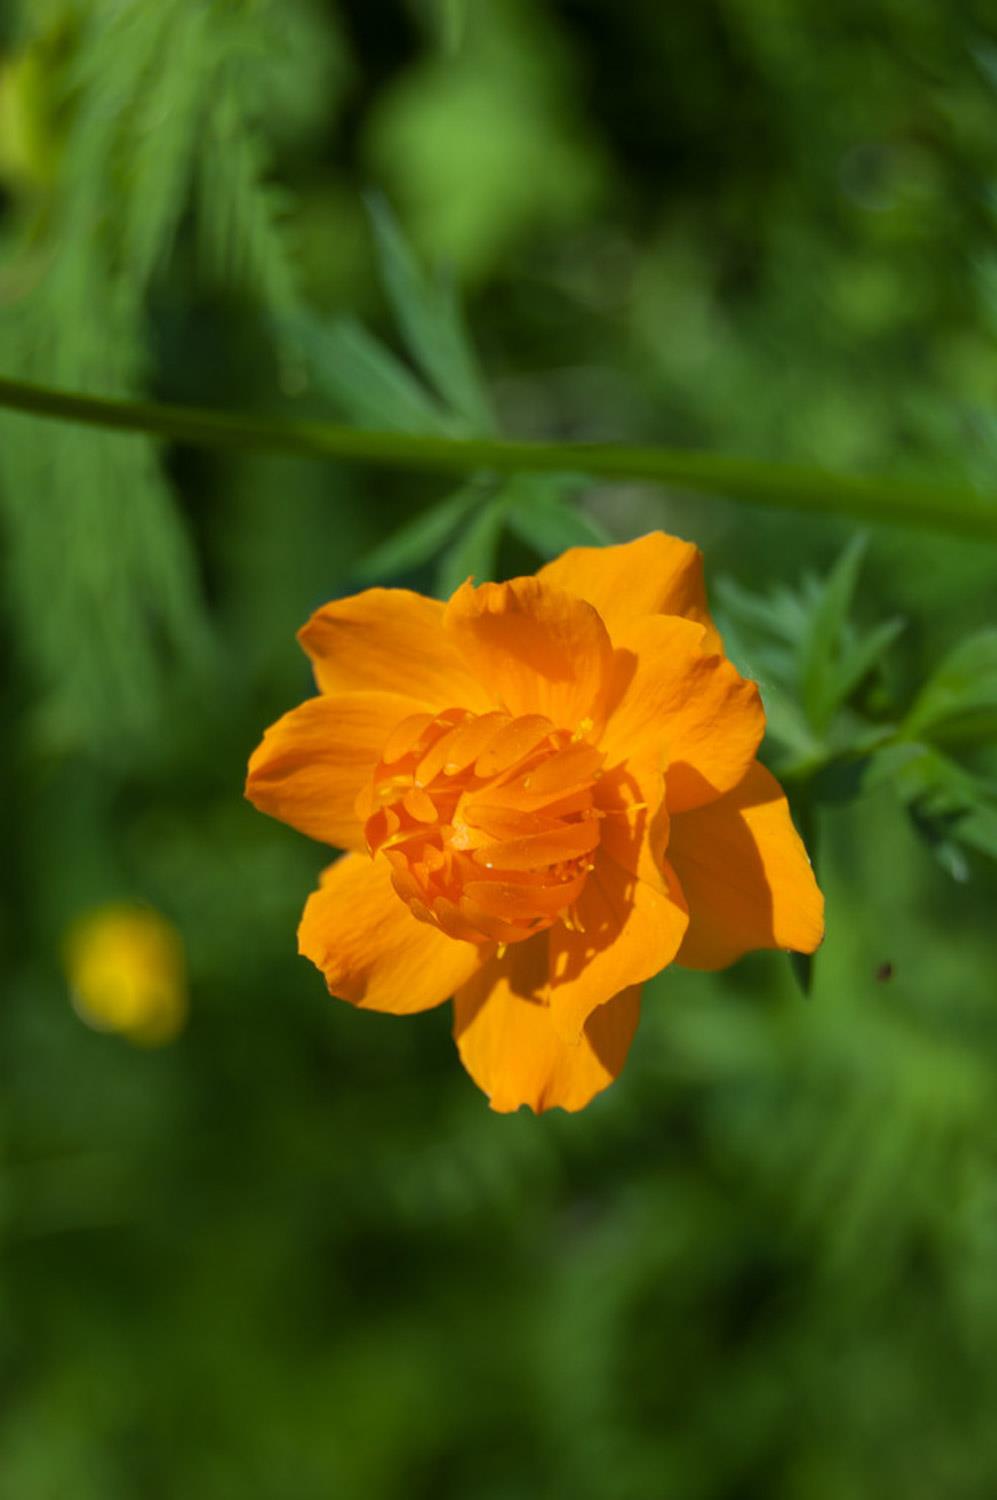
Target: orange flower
[[549, 792]]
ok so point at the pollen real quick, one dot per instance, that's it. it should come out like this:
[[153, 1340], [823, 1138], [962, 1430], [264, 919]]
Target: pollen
[[488, 821]]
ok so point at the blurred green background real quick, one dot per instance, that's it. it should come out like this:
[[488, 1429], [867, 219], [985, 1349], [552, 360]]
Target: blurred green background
[[293, 1254]]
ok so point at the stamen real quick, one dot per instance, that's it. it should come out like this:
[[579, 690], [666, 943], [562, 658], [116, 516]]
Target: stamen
[[488, 821]]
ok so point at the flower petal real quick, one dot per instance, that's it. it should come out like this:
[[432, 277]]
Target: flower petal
[[746, 876], [372, 950], [634, 820], [702, 716], [311, 764], [508, 1044], [653, 575], [390, 639], [538, 649], [628, 930]]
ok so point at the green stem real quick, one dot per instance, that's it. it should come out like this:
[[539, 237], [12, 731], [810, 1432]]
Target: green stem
[[813, 491]]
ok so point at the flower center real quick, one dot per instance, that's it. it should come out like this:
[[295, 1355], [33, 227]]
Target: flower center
[[487, 820]]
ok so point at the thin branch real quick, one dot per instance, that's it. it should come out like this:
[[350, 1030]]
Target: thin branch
[[813, 491]]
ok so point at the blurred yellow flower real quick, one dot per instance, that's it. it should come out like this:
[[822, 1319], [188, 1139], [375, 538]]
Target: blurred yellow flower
[[126, 971], [28, 146]]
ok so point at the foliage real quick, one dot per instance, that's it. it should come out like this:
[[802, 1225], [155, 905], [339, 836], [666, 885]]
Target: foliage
[[828, 706], [291, 1254]]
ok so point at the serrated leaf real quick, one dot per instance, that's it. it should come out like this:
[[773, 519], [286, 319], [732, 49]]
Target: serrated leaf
[[768, 662], [550, 525], [958, 703], [430, 321], [772, 664], [473, 554], [366, 381], [863, 655], [824, 630], [781, 615], [418, 540], [921, 773], [785, 721], [948, 805]]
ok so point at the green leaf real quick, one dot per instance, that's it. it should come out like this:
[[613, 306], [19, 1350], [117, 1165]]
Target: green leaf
[[863, 655], [936, 833], [785, 721], [798, 644], [782, 614], [431, 324], [762, 635], [549, 524], [958, 703], [921, 773], [474, 553], [819, 646], [949, 806], [802, 965], [748, 624], [978, 828], [365, 380], [418, 540], [840, 780]]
